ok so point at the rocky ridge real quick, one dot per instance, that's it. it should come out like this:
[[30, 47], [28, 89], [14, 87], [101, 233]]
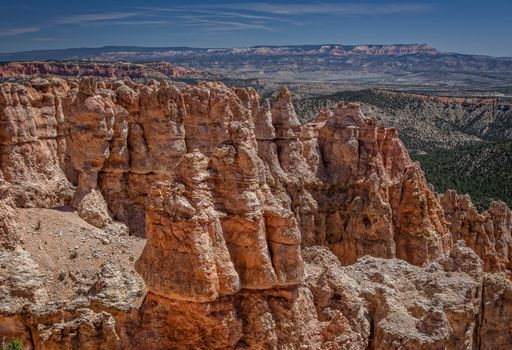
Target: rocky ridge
[[248, 217], [155, 70]]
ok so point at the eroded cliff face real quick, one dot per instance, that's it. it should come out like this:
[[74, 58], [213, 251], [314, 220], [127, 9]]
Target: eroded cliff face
[[248, 218], [488, 233]]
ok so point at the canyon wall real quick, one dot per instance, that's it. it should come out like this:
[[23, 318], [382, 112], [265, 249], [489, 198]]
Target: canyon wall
[[249, 219]]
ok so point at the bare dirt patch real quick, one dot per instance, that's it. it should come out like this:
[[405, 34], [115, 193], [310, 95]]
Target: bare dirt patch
[[70, 252]]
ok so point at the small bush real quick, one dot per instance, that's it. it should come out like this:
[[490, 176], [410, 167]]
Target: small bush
[[62, 276], [14, 344], [73, 254]]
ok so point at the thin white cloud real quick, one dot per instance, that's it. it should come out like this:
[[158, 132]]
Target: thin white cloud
[[215, 11], [95, 17], [265, 15], [213, 19], [234, 14], [226, 16], [220, 25], [322, 8], [18, 31], [134, 23]]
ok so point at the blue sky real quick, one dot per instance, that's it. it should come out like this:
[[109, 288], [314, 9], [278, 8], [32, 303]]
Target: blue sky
[[478, 27]]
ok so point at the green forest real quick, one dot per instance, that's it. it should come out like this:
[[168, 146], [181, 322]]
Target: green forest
[[483, 170]]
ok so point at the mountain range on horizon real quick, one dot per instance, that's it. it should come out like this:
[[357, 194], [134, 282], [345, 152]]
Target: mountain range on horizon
[[96, 53]]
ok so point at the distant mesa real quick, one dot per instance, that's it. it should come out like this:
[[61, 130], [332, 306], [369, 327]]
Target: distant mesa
[[108, 53]]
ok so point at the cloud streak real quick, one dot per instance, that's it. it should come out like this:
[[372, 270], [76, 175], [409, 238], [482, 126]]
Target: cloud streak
[[95, 17], [266, 15], [219, 25], [19, 30], [327, 8], [262, 16], [131, 23], [217, 19]]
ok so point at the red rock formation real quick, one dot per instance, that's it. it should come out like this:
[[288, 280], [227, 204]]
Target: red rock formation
[[32, 143], [489, 233], [375, 303], [227, 191], [354, 187], [350, 185]]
